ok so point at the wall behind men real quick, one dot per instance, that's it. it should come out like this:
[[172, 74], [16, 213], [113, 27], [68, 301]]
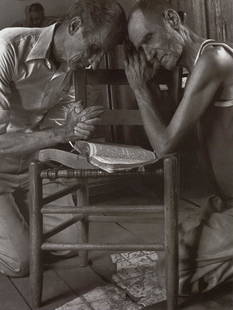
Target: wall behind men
[[12, 11]]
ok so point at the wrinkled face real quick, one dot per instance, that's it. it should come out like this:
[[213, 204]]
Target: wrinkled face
[[160, 42], [87, 50], [36, 18]]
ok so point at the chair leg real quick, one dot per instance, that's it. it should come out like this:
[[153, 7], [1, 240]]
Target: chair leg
[[36, 231], [82, 200], [171, 231]]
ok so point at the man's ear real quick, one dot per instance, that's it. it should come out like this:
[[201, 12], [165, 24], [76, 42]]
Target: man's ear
[[173, 18], [74, 24]]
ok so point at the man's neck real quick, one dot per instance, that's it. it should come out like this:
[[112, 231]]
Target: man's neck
[[192, 46]]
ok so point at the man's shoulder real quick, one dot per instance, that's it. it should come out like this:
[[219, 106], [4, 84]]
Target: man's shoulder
[[215, 61], [18, 37], [18, 42], [220, 55], [16, 33]]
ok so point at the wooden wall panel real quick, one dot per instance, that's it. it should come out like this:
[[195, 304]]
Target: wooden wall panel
[[227, 10], [209, 18], [215, 19], [196, 14], [220, 19]]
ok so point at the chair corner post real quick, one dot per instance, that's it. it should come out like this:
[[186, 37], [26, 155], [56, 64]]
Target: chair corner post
[[171, 182], [36, 231]]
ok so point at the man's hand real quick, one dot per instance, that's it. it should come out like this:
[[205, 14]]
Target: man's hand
[[138, 71], [80, 122]]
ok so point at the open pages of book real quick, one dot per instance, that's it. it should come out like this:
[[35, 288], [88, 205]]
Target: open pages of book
[[115, 157]]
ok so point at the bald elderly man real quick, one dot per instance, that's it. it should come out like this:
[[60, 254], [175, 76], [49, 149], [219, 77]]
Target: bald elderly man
[[160, 39]]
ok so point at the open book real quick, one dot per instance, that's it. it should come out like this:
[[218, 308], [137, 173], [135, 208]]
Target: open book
[[115, 157]]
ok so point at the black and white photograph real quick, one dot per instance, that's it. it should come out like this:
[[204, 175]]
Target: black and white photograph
[[116, 167]]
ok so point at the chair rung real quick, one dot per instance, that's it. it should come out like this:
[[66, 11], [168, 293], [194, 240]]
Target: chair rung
[[116, 247], [124, 219], [92, 173], [104, 209], [60, 194], [63, 226]]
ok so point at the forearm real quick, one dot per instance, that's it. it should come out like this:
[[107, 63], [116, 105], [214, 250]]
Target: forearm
[[20, 143], [154, 125]]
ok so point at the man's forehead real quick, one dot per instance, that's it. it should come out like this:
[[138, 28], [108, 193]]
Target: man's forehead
[[137, 27]]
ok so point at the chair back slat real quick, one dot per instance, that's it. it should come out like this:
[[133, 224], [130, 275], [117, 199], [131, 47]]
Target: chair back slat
[[114, 116], [106, 76], [113, 77], [121, 117]]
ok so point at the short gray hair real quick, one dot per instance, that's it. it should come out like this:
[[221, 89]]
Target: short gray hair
[[97, 13], [155, 7]]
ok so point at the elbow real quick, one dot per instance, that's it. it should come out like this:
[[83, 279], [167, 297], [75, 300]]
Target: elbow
[[163, 151], [165, 147]]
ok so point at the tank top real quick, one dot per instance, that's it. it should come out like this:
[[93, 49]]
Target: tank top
[[216, 136], [226, 97]]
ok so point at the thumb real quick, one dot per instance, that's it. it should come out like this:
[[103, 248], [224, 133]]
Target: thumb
[[78, 109]]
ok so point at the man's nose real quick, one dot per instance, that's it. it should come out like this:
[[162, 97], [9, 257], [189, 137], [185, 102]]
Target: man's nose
[[148, 52]]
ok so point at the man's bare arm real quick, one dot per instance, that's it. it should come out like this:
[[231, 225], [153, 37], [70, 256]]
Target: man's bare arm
[[78, 126], [202, 86], [21, 143]]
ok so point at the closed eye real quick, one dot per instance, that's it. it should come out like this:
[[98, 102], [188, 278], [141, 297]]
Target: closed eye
[[147, 38], [94, 48]]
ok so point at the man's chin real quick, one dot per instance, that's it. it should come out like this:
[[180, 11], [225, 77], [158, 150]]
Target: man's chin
[[76, 67], [170, 65]]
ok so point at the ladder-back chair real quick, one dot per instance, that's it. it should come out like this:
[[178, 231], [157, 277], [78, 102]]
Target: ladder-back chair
[[74, 166]]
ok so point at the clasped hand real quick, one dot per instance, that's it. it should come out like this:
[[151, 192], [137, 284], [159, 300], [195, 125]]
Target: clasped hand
[[80, 122]]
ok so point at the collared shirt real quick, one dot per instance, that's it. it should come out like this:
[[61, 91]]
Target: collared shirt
[[30, 84]]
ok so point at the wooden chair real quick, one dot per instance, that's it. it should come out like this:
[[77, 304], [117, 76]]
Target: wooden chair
[[73, 166]]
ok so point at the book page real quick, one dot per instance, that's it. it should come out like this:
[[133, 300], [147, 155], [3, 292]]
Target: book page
[[112, 165], [122, 161], [120, 153]]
